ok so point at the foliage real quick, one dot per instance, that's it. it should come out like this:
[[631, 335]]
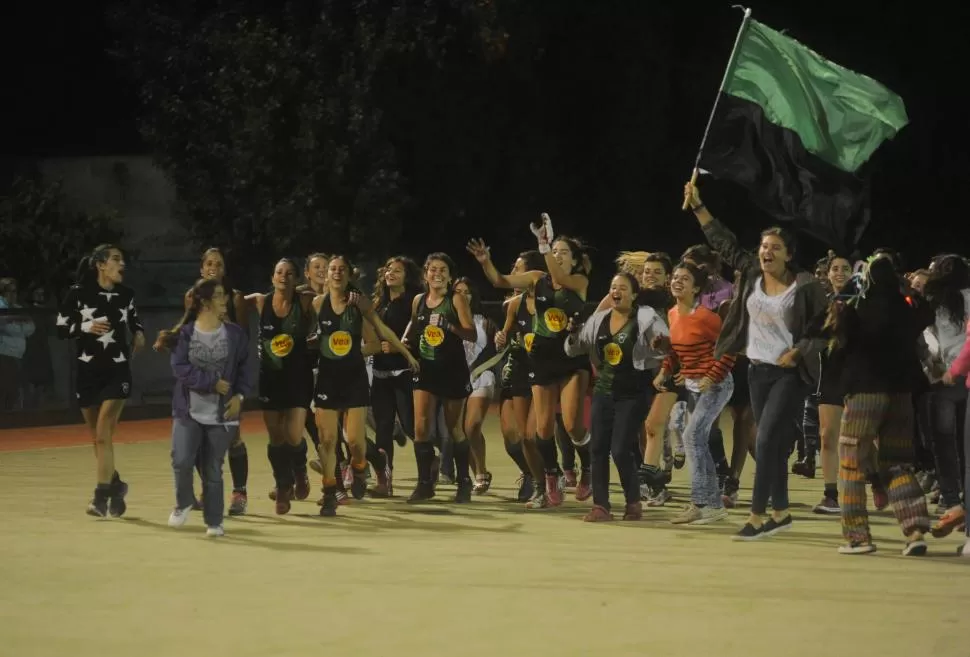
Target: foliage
[[266, 118], [43, 239]]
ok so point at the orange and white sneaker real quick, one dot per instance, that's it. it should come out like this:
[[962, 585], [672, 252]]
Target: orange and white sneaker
[[954, 518]]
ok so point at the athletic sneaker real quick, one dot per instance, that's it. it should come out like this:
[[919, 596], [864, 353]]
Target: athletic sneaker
[[955, 518], [828, 505], [116, 505], [554, 489], [659, 497], [598, 514], [915, 548], [283, 497], [179, 516], [238, 504], [633, 512], [215, 531], [346, 474], [729, 495], [301, 490], [422, 492], [584, 489], [569, 478], [964, 550], [689, 514], [98, 507], [329, 505], [464, 493], [709, 515], [483, 483], [857, 547], [383, 487], [538, 501], [749, 533], [772, 526], [358, 485], [526, 488]]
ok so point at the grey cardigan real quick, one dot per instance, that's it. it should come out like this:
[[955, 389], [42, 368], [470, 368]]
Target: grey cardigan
[[810, 300], [645, 357]]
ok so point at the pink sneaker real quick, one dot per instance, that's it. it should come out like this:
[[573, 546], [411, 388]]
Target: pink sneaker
[[584, 489], [553, 490]]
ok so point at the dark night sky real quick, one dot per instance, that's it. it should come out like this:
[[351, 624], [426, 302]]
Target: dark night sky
[[66, 95]]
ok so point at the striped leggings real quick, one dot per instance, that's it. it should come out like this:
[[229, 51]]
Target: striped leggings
[[888, 418]]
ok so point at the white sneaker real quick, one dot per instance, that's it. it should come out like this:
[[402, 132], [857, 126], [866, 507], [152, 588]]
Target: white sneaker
[[709, 515], [215, 531], [964, 550], [179, 516]]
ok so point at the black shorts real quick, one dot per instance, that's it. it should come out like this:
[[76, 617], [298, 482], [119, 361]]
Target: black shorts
[[551, 365], [341, 385], [516, 381], [741, 397], [444, 380], [281, 390], [102, 384], [830, 390]]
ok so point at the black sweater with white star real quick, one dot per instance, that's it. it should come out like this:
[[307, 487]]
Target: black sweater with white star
[[86, 303]]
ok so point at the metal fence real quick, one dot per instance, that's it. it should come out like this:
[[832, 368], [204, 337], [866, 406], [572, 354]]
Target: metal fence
[[37, 387]]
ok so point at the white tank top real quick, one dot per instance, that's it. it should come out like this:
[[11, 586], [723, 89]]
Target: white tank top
[[769, 335]]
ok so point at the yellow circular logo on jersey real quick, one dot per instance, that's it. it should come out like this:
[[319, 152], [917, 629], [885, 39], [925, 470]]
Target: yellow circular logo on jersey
[[612, 354], [433, 335], [555, 319], [281, 345], [340, 343], [527, 341]]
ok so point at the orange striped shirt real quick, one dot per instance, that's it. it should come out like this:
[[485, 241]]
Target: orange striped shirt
[[692, 338]]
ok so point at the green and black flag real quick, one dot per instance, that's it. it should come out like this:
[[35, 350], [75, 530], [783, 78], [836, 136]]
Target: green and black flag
[[795, 130]]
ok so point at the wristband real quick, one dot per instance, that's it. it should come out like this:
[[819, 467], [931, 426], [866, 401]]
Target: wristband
[[544, 248]]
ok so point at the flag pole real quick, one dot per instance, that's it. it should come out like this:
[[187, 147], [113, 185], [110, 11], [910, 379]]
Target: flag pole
[[724, 80]]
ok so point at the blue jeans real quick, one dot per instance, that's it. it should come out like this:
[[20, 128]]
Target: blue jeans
[[189, 440], [704, 408], [777, 396]]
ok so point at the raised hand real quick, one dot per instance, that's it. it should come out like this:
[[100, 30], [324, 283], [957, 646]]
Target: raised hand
[[478, 249]]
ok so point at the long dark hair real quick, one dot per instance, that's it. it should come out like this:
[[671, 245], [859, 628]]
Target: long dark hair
[[87, 268], [445, 258], [476, 303], [202, 291], [945, 285], [412, 280], [580, 254]]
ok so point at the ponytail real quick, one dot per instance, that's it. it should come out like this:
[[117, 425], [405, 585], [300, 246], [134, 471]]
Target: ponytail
[[200, 292]]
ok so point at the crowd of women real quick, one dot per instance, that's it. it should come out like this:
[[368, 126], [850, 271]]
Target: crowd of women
[[859, 367]]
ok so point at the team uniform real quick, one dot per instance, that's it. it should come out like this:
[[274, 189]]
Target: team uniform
[[285, 375], [517, 372], [103, 361], [444, 370], [342, 381], [554, 309]]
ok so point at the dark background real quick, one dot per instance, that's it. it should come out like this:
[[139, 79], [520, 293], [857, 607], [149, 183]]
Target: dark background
[[593, 113]]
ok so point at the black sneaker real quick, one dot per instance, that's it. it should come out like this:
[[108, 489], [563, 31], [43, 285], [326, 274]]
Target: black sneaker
[[772, 527], [526, 488], [99, 505], [359, 486], [328, 508], [915, 548], [464, 494], [117, 506], [423, 492], [749, 533]]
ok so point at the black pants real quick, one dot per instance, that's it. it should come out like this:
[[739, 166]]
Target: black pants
[[391, 399], [941, 411], [777, 396], [616, 431]]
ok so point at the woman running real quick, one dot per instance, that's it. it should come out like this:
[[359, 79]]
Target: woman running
[[285, 380], [99, 313], [517, 414], [560, 295], [315, 284], [210, 361], [769, 321], [877, 331], [342, 386], [391, 395], [823, 408], [694, 331], [440, 320], [213, 267], [482, 357], [618, 342]]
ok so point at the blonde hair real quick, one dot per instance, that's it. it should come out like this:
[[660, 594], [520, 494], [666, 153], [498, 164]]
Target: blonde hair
[[631, 262]]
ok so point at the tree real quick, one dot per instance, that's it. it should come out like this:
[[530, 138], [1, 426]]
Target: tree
[[43, 239], [266, 121]]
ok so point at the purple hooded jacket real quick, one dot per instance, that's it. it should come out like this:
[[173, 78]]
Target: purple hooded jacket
[[189, 377]]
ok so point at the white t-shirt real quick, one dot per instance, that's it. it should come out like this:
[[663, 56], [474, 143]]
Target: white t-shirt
[[950, 335], [208, 351], [769, 335]]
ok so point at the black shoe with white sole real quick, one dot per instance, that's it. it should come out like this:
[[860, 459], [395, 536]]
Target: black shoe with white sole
[[915, 548], [772, 527], [749, 533]]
